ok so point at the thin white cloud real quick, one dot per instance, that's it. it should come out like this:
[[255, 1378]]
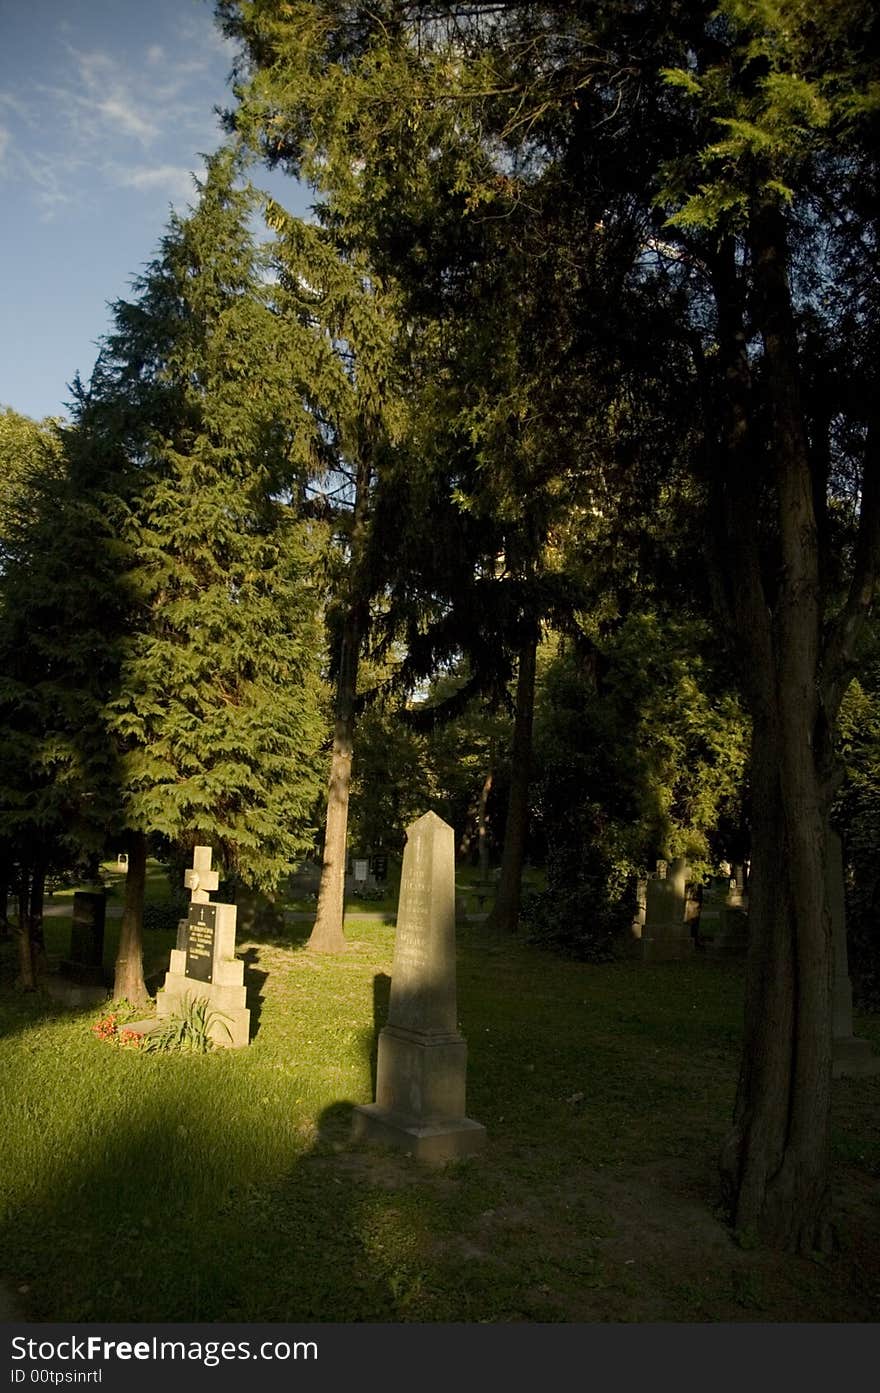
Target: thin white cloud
[[105, 116], [108, 90], [4, 143], [125, 116], [173, 178]]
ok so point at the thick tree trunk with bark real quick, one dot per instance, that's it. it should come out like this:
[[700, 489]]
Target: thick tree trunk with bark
[[775, 1163], [328, 935], [128, 982], [505, 912]]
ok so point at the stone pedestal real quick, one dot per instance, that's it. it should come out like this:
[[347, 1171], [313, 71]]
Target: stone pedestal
[[222, 986], [422, 1059], [203, 966]]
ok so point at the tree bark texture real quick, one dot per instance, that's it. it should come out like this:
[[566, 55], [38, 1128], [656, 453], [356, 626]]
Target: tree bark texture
[[328, 935], [505, 911], [128, 982], [775, 1163]]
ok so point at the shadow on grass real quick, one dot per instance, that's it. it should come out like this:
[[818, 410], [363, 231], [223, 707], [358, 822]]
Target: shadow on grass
[[254, 982], [173, 1215]]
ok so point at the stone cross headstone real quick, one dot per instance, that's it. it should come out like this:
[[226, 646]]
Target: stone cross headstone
[[422, 1059], [203, 966], [666, 934], [851, 1055], [86, 962]]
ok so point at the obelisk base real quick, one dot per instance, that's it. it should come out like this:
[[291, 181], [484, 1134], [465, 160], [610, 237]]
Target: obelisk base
[[420, 1097], [435, 1143]]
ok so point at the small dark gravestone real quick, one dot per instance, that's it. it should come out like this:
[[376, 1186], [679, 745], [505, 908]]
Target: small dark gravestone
[[86, 962], [422, 1059]]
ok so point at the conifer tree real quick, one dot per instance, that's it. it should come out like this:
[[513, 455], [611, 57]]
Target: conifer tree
[[55, 764], [216, 715], [345, 341]]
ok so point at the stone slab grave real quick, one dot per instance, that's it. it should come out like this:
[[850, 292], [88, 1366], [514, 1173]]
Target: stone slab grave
[[203, 966], [851, 1056], [422, 1060], [86, 962], [665, 933], [732, 937], [81, 979]]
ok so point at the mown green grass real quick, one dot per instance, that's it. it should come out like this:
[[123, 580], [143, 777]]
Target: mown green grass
[[225, 1187]]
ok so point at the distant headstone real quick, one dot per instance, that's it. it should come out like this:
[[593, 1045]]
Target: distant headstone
[[257, 913], [732, 937], [379, 867], [203, 966], [361, 870], [422, 1059], [122, 861], [85, 964], [851, 1055], [666, 933]]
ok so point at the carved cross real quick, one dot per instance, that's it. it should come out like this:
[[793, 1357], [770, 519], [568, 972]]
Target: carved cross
[[200, 879]]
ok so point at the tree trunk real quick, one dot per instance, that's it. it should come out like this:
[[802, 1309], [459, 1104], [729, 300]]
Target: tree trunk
[[26, 975], [328, 935], [128, 982], [483, 827], [775, 1163], [505, 911]]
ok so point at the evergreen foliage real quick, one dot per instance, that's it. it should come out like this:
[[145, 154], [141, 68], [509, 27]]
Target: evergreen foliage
[[217, 713]]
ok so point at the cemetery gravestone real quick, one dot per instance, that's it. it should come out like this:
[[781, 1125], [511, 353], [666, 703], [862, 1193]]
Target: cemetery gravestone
[[422, 1059], [203, 966], [86, 962], [732, 938], [666, 933]]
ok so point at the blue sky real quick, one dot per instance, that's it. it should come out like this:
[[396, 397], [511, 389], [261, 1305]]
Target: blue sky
[[105, 106]]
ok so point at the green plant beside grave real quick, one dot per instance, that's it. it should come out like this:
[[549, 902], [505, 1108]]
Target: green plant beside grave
[[187, 1031]]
